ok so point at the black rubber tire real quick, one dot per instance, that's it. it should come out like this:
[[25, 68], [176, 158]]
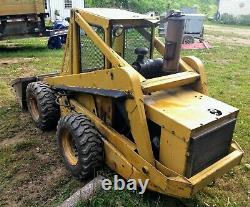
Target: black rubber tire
[[41, 103], [87, 143]]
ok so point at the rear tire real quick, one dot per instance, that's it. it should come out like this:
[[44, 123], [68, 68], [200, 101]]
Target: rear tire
[[80, 145], [41, 102]]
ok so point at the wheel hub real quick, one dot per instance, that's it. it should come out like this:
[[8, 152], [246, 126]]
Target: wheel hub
[[34, 108], [70, 148]]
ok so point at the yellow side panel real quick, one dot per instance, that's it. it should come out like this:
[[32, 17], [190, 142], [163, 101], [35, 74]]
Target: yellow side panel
[[88, 102], [105, 109], [173, 152]]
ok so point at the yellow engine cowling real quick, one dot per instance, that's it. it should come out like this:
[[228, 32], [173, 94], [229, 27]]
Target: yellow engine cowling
[[196, 130]]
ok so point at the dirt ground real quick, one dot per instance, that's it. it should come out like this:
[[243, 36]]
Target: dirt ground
[[227, 35], [33, 168], [237, 30]]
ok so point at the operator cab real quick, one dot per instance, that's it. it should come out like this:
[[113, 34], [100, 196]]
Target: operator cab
[[134, 44], [130, 35]]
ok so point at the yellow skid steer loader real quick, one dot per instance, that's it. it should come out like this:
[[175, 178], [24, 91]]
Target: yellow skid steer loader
[[126, 99]]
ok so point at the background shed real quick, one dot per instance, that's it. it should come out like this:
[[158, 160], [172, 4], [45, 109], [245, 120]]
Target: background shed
[[60, 9], [234, 7]]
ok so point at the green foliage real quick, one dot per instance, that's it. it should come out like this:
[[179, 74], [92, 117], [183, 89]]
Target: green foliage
[[244, 20], [204, 6], [230, 19], [136, 5]]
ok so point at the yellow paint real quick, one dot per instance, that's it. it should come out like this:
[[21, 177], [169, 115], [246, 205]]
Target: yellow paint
[[173, 152], [177, 103], [184, 112], [196, 64]]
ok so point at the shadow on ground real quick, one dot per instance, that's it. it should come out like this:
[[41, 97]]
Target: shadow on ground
[[14, 48]]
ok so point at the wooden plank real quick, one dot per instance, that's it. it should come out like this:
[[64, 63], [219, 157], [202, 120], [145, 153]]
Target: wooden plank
[[85, 193], [170, 81]]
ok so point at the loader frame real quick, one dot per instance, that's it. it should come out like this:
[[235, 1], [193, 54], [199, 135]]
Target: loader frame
[[118, 79]]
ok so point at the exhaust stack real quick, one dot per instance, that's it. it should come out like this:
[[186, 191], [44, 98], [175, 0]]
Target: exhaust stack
[[173, 39]]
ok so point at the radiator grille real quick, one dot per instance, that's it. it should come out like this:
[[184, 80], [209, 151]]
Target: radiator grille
[[209, 147]]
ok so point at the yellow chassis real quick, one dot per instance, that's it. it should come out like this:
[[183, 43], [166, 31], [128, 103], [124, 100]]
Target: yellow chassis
[[127, 158]]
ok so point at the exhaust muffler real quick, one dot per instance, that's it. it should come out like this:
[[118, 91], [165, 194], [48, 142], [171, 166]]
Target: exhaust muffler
[[173, 39]]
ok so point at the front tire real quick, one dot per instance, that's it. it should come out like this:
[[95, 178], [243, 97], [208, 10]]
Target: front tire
[[41, 102], [80, 145]]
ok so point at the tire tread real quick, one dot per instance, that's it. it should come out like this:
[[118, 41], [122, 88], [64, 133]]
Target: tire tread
[[46, 98], [90, 152]]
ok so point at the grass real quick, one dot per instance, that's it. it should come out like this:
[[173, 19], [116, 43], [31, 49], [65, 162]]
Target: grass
[[130, 199], [226, 34], [220, 24], [32, 173]]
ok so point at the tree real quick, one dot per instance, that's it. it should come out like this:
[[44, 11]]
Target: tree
[[142, 6]]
